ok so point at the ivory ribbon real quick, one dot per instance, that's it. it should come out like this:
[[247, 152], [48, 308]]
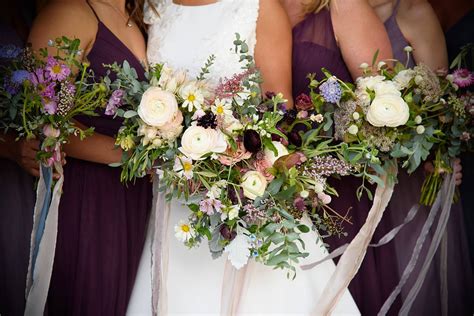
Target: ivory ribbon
[[43, 241], [383, 241], [159, 250], [443, 201], [232, 287], [352, 258]]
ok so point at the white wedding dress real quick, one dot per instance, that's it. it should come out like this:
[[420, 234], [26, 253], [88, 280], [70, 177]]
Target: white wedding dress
[[184, 37]]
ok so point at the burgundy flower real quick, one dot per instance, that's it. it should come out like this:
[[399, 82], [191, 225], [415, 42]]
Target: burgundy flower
[[303, 102], [252, 141], [294, 138], [227, 233]]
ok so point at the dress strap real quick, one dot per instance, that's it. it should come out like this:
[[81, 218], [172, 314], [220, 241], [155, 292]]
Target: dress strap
[[92, 8], [395, 8]]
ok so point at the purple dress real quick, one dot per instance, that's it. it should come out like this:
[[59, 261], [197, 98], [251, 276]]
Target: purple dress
[[405, 195], [314, 47], [17, 200], [102, 222]]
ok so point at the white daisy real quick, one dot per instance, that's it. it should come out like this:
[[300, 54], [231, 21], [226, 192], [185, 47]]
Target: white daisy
[[184, 167], [222, 107], [192, 96], [183, 231]]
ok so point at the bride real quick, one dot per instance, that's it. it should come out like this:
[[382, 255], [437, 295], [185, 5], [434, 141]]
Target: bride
[[184, 34]]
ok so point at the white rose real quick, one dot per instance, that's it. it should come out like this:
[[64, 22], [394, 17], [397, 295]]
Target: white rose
[[364, 83], [388, 110], [270, 155], [198, 141], [253, 184], [172, 130], [157, 107], [404, 77], [231, 124]]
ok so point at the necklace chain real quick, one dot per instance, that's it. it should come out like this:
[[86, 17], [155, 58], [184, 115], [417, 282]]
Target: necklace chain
[[128, 22]]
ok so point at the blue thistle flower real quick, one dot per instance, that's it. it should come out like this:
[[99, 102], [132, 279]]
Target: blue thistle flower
[[331, 91], [9, 51]]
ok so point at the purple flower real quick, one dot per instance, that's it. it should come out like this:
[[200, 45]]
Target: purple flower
[[463, 78], [9, 51], [299, 204], [208, 206], [331, 91], [50, 106], [115, 102], [19, 76], [227, 234], [38, 77], [56, 70], [10, 87]]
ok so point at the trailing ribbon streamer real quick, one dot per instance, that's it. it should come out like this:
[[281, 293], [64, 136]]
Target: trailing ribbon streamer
[[352, 258], [159, 250], [383, 241], [43, 240], [443, 201], [232, 287]]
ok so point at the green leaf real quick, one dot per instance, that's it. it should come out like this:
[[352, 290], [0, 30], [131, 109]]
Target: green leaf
[[129, 114]]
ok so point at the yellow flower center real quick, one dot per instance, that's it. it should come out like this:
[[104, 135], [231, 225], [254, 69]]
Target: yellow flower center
[[185, 228], [57, 69], [187, 166], [191, 98], [220, 109]]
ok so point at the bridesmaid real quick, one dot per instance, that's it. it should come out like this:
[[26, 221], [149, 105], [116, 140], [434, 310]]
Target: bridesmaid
[[414, 23], [17, 167], [339, 36], [102, 222]]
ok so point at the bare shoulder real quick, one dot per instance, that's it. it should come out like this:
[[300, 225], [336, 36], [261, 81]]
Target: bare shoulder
[[69, 18], [272, 9]]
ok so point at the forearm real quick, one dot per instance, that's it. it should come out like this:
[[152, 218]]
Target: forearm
[[96, 148]]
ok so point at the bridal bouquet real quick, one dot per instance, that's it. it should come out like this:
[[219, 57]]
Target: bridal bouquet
[[248, 168], [253, 173], [402, 113], [40, 95]]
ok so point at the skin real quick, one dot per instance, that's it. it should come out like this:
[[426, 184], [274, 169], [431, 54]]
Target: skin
[[276, 71], [420, 26], [55, 20], [359, 32]]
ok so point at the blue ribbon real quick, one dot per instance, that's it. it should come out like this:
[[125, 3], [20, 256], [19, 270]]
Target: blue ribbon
[[48, 180]]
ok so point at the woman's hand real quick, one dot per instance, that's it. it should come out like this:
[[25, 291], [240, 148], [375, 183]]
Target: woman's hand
[[24, 154], [457, 169]]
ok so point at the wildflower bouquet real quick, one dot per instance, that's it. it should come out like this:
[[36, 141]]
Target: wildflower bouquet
[[40, 95], [247, 168], [253, 173], [400, 113]]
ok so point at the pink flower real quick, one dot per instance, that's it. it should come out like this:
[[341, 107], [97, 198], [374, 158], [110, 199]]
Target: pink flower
[[463, 78], [262, 165], [50, 106], [231, 157], [50, 131], [208, 206], [56, 156], [302, 114], [56, 70]]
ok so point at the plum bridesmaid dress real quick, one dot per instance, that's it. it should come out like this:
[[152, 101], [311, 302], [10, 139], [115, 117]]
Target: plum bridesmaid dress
[[102, 222], [315, 47]]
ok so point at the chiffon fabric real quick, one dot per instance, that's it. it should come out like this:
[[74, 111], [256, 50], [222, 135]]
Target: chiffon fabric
[[102, 222]]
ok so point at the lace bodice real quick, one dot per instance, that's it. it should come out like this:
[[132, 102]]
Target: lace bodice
[[185, 36]]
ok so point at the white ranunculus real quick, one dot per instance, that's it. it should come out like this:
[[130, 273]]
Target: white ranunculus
[[157, 107], [254, 184], [238, 251], [386, 87], [404, 77], [270, 155], [388, 110], [198, 141], [364, 83]]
